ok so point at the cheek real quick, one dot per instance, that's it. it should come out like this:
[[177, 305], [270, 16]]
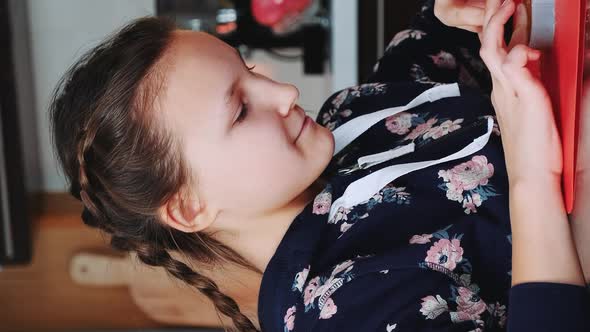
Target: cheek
[[261, 169]]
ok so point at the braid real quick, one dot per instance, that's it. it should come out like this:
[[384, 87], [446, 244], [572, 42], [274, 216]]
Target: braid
[[91, 215], [83, 145], [156, 256]]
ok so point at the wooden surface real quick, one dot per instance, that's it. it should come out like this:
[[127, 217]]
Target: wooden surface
[[42, 296]]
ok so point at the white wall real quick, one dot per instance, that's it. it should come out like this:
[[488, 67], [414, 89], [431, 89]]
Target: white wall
[[344, 54], [61, 30]]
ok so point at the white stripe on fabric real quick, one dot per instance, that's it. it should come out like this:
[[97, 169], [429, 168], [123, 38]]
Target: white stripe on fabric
[[377, 158], [363, 189], [349, 131]]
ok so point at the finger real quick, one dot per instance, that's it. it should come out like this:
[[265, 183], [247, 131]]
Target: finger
[[520, 34], [491, 8], [494, 31], [521, 55], [516, 71]]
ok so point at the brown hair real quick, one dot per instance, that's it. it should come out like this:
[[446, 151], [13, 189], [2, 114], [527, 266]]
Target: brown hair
[[123, 164]]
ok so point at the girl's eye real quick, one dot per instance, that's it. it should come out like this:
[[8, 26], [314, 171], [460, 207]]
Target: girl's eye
[[242, 114], [244, 111]]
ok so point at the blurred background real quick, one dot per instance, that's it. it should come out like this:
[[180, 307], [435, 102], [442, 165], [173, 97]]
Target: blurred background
[[55, 272]]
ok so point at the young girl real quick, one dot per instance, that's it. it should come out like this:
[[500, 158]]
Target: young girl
[[405, 207]]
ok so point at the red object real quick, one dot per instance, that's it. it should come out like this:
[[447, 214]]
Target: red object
[[561, 69], [272, 12]]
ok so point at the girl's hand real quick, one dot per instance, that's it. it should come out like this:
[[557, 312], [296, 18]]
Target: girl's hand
[[532, 146], [463, 14]]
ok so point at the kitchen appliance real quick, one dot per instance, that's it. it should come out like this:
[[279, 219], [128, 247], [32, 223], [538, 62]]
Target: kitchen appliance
[[295, 24]]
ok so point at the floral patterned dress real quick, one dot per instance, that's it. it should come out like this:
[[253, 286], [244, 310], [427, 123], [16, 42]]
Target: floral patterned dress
[[431, 251]]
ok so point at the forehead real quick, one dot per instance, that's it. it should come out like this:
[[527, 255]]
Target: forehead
[[192, 51], [199, 69], [188, 43]]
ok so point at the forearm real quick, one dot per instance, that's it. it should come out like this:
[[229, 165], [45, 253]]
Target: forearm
[[580, 223], [543, 248]]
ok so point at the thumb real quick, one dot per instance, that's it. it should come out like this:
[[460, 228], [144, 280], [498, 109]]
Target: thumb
[[516, 72], [520, 34]]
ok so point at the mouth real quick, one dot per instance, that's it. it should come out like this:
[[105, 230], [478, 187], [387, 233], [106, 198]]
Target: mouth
[[305, 123]]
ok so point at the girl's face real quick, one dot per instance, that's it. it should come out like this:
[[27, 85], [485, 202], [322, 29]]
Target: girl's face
[[241, 131]]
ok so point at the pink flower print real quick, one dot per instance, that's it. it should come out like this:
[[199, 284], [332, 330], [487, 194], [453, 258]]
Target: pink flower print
[[468, 175], [341, 214], [443, 129], [468, 303], [340, 98], [300, 278], [444, 60], [330, 285], [346, 265], [471, 202], [496, 128], [421, 129], [328, 310], [459, 316], [290, 319], [420, 239], [465, 279], [310, 290], [322, 203], [355, 91], [405, 34], [400, 123], [432, 306], [326, 117], [346, 113], [454, 194], [445, 253], [322, 289], [499, 312], [417, 73]]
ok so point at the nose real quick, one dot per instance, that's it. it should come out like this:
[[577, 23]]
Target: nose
[[286, 96]]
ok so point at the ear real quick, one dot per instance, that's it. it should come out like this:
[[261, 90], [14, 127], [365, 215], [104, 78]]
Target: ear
[[185, 214]]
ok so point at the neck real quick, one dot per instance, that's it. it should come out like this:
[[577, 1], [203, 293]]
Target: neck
[[258, 241]]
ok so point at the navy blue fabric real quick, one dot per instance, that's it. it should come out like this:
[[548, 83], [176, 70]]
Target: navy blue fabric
[[432, 250]]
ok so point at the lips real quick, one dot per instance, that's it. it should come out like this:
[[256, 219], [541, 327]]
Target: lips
[[305, 120]]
